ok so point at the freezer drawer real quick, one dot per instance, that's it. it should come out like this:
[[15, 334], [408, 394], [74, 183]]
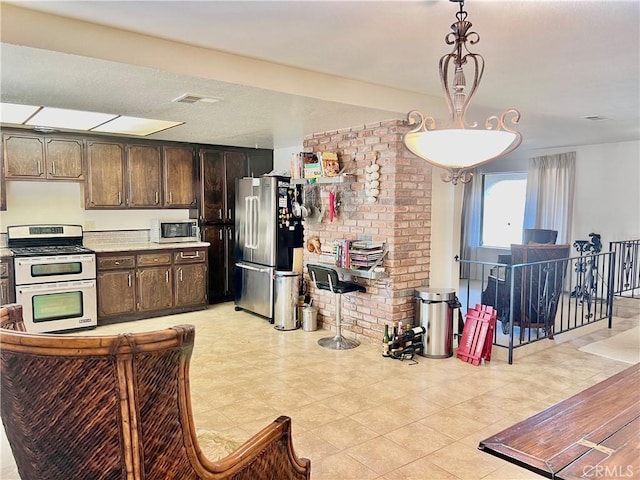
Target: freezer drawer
[[254, 288]]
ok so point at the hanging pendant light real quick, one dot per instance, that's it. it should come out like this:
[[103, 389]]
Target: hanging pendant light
[[460, 146]]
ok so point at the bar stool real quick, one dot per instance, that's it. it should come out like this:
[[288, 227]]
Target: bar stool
[[325, 278]]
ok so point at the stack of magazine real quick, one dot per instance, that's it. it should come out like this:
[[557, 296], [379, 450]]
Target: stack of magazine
[[365, 255], [352, 254]]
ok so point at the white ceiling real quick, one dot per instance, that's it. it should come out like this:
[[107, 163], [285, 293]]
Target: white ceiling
[[556, 61]]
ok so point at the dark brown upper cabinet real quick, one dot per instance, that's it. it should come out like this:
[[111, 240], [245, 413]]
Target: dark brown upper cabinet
[[144, 182], [179, 168], [38, 157], [220, 168]]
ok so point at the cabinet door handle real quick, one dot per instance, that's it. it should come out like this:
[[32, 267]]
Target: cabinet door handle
[[180, 273], [157, 198], [38, 167], [220, 213], [220, 234], [229, 217], [170, 198], [129, 279], [53, 167], [119, 198], [182, 255], [229, 233], [166, 276]]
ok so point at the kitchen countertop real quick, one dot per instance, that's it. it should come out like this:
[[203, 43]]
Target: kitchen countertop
[[131, 247], [126, 247]]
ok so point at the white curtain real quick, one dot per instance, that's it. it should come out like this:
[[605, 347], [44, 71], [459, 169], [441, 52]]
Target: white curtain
[[471, 223], [550, 191]]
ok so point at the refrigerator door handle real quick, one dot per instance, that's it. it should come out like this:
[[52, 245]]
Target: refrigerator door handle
[[248, 224], [252, 268], [256, 221], [251, 225]]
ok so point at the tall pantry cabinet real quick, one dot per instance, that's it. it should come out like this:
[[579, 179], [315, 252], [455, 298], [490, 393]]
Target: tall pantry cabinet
[[219, 169]]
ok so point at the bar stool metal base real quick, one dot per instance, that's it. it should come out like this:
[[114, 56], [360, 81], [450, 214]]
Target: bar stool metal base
[[338, 343]]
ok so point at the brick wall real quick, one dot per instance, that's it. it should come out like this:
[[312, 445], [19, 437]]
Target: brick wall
[[401, 218]]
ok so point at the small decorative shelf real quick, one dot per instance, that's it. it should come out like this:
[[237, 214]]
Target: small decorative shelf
[[342, 178], [371, 274]]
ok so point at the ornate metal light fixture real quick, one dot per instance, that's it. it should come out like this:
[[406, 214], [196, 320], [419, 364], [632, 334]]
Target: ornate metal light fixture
[[459, 146]]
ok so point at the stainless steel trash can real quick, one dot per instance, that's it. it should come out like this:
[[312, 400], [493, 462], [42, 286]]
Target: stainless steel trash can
[[285, 314], [434, 311], [309, 318]]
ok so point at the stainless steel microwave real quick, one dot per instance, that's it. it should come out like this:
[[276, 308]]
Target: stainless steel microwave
[[170, 231]]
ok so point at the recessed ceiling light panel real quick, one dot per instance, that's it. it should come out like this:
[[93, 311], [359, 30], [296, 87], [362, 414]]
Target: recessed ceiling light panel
[[135, 126], [14, 113], [68, 119]]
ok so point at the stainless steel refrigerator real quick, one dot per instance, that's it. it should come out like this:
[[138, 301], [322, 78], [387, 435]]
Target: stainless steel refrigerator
[[267, 231]]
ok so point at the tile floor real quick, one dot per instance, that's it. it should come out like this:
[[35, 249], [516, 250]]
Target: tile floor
[[360, 416]]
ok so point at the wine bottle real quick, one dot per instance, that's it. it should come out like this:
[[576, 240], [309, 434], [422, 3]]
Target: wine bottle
[[401, 339], [385, 342], [412, 333]]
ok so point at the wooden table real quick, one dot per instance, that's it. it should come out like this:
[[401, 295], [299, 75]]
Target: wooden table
[[594, 434]]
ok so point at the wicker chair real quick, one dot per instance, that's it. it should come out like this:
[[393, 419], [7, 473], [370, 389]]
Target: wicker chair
[[118, 407]]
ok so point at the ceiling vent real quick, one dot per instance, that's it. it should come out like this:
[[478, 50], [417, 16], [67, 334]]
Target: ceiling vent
[[193, 98]]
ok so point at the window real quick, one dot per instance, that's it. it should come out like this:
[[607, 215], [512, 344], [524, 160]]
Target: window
[[503, 197]]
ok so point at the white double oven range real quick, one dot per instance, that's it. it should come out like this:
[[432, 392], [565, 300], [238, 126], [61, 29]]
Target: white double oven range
[[55, 277]]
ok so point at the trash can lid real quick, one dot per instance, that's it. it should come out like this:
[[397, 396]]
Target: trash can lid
[[286, 273], [435, 294]]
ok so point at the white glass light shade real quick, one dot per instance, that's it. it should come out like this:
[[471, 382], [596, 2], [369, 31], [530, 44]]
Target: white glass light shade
[[458, 148]]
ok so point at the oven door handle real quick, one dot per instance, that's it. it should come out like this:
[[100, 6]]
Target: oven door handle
[[56, 287]]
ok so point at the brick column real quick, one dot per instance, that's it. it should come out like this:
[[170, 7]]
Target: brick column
[[401, 218]]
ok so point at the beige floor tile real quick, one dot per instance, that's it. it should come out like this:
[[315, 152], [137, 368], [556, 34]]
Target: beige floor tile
[[382, 455], [510, 471], [465, 462], [359, 416], [421, 469], [309, 445], [452, 424], [341, 466], [314, 415], [381, 419], [345, 433], [419, 437]]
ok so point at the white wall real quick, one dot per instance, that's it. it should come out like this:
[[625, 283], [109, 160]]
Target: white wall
[[446, 216], [63, 202], [607, 196], [282, 157]]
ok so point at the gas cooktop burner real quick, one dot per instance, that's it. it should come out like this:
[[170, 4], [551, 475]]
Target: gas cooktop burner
[[49, 250]]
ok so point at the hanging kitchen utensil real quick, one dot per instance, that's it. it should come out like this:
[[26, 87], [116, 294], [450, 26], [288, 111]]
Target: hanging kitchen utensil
[[296, 208], [332, 205], [315, 211]]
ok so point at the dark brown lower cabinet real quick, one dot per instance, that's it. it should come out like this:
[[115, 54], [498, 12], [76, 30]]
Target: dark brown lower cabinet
[[116, 292], [154, 288], [221, 261], [135, 285], [190, 278], [6, 280]]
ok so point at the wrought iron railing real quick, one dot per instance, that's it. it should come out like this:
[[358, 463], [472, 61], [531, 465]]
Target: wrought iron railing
[[538, 300], [626, 280]]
